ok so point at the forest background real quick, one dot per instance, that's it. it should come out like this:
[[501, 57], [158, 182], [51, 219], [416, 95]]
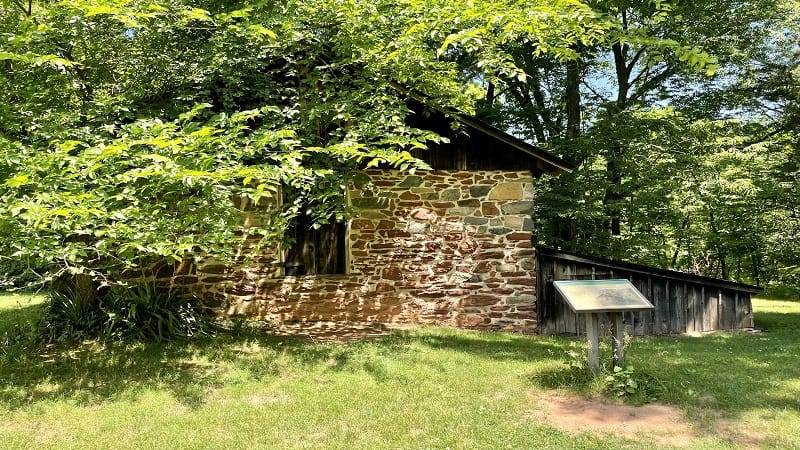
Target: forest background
[[127, 126]]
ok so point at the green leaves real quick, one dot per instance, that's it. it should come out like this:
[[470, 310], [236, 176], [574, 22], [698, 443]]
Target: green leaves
[[158, 115]]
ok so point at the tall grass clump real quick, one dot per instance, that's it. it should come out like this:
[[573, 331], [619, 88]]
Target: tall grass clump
[[139, 312]]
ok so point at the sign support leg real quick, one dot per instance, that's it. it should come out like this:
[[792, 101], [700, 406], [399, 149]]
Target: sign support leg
[[592, 336], [618, 338]]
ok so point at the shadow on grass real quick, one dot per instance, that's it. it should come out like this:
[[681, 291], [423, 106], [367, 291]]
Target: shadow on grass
[[92, 372], [498, 346]]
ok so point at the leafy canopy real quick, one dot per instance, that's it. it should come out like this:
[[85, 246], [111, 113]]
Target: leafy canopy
[[132, 126]]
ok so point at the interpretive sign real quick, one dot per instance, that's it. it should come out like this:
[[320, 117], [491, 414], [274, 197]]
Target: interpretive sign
[[585, 296], [593, 297]]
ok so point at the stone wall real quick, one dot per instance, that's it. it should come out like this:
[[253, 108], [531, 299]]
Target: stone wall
[[440, 247]]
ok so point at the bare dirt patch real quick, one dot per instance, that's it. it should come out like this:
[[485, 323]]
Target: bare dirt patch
[[659, 424]]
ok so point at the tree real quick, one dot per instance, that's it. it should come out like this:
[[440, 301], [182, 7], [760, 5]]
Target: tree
[[652, 112], [134, 125]]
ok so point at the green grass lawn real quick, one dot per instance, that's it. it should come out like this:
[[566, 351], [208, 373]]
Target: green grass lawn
[[425, 388]]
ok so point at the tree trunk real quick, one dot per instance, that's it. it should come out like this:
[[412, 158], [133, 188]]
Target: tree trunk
[[573, 99]]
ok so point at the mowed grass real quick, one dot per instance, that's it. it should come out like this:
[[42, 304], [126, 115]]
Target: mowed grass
[[425, 388]]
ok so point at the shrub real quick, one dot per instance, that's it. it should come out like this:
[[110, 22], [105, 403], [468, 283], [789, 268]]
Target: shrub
[[141, 312], [782, 291], [636, 387], [68, 317]]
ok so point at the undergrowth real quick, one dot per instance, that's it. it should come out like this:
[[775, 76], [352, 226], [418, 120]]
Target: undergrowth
[[141, 312]]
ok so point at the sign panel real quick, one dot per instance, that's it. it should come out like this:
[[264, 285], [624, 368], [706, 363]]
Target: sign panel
[[587, 296]]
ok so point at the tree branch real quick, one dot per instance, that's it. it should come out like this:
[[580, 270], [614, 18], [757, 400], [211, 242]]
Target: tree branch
[[652, 83], [20, 6], [623, 83], [635, 59]]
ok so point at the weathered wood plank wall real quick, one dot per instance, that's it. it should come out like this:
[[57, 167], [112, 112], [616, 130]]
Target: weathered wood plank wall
[[684, 303]]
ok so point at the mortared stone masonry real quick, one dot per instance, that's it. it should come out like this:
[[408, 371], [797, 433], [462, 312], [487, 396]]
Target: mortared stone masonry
[[438, 247]]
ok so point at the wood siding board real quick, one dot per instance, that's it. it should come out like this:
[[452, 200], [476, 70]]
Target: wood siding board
[[645, 325], [722, 321], [691, 308], [650, 324], [739, 312], [673, 299], [628, 319], [680, 307], [710, 311], [748, 308], [729, 303], [552, 308], [541, 303], [661, 302], [584, 272]]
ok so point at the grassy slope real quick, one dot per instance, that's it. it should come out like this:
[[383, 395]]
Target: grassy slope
[[432, 388]]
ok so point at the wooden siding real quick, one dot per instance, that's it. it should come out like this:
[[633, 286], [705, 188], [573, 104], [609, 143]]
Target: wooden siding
[[683, 303]]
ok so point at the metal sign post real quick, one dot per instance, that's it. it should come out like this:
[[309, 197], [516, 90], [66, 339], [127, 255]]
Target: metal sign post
[[592, 297]]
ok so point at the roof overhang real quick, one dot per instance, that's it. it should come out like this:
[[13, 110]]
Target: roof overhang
[[546, 161]]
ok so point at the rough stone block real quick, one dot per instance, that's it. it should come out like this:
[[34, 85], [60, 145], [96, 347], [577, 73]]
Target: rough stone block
[[362, 224], [372, 214], [520, 207], [386, 225], [240, 290], [408, 196], [479, 300], [392, 273], [461, 211], [471, 320], [411, 181], [214, 279], [457, 292], [519, 315], [500, 230], [470, 220], [520, 236], [371, 202], [502, 290], [479, 191], [527, 191], [450, 194], [214, 269], [394, 233], [482, 255], [424, 214], [523, 281], [506, 191], [470, 202], [431, 293], [507, 268], [418, 227], [519, 273]]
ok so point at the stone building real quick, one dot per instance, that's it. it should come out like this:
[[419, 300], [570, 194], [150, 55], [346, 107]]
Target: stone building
[[450, 246]]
